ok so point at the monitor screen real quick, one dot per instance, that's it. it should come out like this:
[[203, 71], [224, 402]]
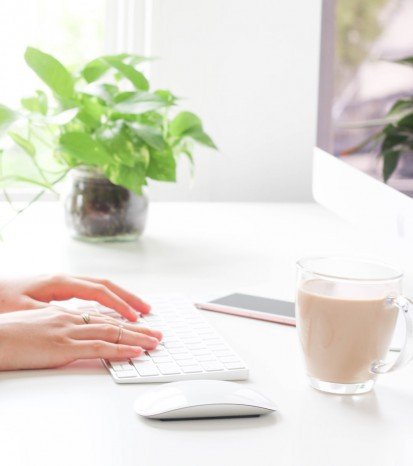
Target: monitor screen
[[372, 96]]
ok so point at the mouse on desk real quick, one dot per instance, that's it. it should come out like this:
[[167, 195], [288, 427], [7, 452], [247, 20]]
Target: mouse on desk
[[200, 399]]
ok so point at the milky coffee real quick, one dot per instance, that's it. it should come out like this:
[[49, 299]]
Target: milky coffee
[[343, 329]]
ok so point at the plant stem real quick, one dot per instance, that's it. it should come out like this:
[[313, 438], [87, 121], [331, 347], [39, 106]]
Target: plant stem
[[32, 201], [36, 164]]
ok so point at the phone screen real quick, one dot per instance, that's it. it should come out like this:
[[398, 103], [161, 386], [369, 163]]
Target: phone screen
[[256, 303]]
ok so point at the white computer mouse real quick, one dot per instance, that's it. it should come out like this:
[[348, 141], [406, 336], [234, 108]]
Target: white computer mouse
[[195, 399]]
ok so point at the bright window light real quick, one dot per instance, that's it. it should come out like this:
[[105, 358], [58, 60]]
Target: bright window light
[[72, 30]]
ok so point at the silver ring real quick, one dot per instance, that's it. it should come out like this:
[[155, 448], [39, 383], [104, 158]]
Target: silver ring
[[119, 334], [86, 317]]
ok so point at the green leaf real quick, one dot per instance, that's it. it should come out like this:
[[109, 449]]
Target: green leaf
[[167, 96], [183, 122], [37, 103], [392, 140], [162, 165], [390, 161], [118, 143], [51, 72], [7, 117], [96, 68], [24, 143], [105, 92], [406, 122], [84, 149], [91, 111], [129, 72], [401, 106], [137, 103], [200, 136], [130, 178], [150, 135], [405, 61]]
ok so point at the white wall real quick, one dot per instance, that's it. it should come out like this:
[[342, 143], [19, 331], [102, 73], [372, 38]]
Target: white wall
[[250, 69]]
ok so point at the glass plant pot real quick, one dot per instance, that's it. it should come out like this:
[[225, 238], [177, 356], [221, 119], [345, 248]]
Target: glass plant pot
[[96, 210]]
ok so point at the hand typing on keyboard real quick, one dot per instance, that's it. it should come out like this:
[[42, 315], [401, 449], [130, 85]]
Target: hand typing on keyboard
[[43, 336], [51, 337], [36, 292]]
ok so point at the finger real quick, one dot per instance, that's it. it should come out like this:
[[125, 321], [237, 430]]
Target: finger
[[111, 334], [131, 299], [70, 287], [147, 331], [41, 305], [30, 303], [94, 349], [96, 318]]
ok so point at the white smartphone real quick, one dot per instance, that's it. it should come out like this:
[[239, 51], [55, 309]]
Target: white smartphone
[[254, 307]]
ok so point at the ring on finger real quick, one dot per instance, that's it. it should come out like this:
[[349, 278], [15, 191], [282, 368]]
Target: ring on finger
[[119, 334], [86, 317]]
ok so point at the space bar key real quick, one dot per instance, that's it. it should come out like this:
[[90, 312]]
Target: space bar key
[[145, 368]]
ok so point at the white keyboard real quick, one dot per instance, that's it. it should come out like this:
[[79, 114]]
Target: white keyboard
[[191, 348]]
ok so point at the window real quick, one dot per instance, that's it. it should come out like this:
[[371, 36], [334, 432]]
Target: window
[[75, 31]]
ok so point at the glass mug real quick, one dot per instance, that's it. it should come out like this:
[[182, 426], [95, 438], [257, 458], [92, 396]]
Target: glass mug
[[346, 315]]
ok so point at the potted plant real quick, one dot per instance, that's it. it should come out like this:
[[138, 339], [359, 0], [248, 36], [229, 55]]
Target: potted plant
[[106, 127], [394, 141]]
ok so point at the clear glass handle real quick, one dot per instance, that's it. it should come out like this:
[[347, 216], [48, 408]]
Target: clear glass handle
[[406, 354]]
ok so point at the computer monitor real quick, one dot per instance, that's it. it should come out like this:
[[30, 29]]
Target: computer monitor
[[356, 195]]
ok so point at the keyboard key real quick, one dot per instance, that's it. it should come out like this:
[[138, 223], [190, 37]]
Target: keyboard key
[[207, 334], [145, 368], [195, 346], [223, 353], [173, 344], [209, 357], [234, 365], [212, 366], [187, 362], [127, 374], [184, 332], [191, 369], [216, 346], [118, 365], [180, 350], [159, 351], [167, 369], [142, 357], [126, 367], [225, 359], [201, 352], [191, 339], [161, 359], [181, 356]]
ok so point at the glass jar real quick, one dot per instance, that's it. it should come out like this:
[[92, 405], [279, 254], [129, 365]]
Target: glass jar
[[97, 210]]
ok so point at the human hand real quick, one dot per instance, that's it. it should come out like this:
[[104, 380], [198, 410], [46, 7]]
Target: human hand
[[52, 337], [36, 292]]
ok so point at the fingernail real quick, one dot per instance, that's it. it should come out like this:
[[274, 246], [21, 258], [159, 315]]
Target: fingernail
[[134, 315], [137, 351]]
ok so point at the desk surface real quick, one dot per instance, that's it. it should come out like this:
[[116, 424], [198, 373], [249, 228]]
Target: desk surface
[[78, 415]]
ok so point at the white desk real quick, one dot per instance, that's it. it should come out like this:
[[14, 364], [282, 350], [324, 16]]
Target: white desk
[[79, 416]]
